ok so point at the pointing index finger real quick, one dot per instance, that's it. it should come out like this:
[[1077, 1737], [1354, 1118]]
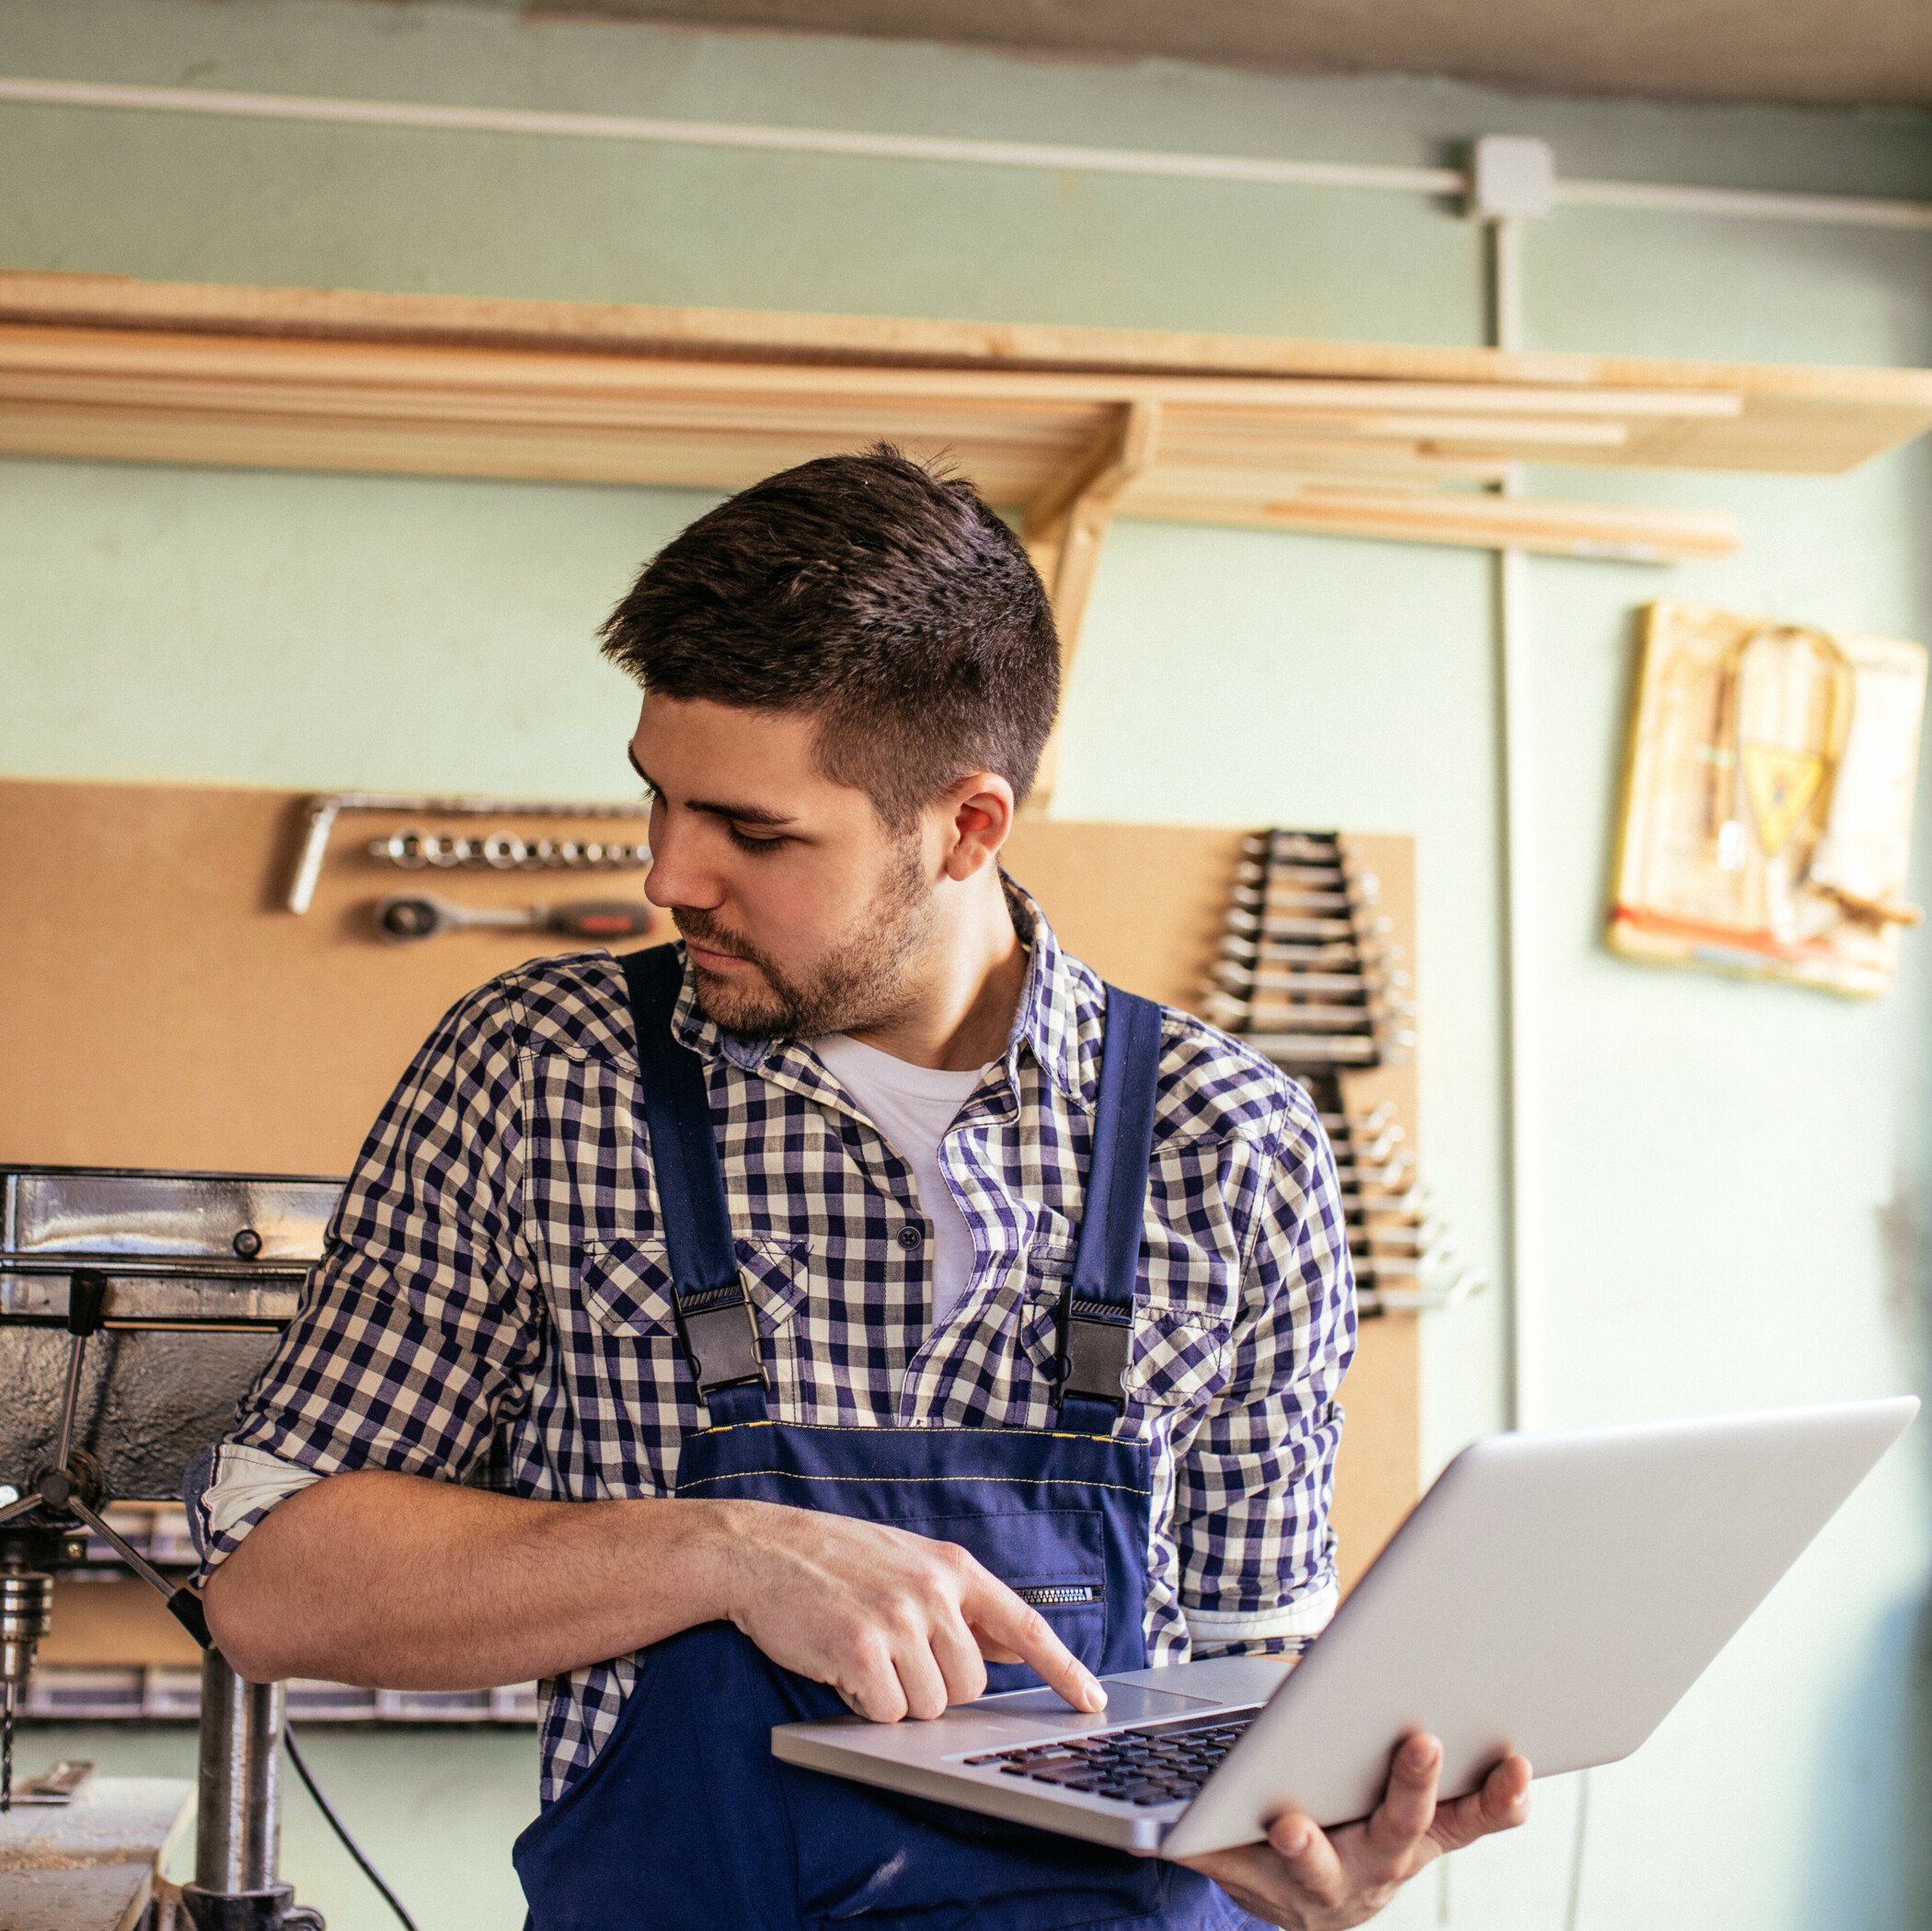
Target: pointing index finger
[[1001, 1621]]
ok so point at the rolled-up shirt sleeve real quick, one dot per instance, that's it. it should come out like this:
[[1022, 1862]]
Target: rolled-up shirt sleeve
[[1252, 1493], [421, 1319]]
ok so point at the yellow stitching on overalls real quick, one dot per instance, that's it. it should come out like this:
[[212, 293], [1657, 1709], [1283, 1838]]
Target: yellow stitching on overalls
[[836, 1428], [880, 1481]]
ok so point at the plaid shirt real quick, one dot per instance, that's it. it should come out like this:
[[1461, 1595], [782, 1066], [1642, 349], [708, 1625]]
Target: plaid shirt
[[494, 1296]]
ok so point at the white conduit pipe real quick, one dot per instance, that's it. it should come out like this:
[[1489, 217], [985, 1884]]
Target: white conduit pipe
[[1513, 722], [1855, 211]]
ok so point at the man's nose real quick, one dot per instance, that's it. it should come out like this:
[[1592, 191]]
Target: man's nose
[[678, 874]]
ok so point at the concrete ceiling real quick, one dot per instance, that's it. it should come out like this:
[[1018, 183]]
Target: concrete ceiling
[[1813, 52]]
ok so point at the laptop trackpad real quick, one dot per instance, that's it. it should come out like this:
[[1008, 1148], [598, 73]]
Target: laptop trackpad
[[1125, 1704]]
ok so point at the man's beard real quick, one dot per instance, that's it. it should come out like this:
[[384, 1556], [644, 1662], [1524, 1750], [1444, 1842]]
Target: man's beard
[[862, 983]]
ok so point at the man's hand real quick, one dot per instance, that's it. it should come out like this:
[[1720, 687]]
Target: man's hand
[[377, 1577], [1311, 1881], [900, 1625]]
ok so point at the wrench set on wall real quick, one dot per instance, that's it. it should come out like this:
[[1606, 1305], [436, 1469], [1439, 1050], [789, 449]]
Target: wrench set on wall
[[1309, 972]]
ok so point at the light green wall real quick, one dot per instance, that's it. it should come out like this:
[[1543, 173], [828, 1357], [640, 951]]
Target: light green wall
[[1733, 1176]]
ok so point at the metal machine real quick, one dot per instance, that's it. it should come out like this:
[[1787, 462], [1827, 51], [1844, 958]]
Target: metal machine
[[135, 1310]]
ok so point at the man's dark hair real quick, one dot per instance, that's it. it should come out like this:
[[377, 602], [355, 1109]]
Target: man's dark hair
[[871, 592]]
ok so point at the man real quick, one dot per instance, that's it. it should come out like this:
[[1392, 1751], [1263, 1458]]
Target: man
[[744, 1276]]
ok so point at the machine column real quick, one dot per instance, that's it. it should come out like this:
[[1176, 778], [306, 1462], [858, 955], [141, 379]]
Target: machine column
[[238, 1837]]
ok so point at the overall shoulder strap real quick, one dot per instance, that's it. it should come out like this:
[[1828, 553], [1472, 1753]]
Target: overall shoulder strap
[[1097, 1305], [713, 1321]]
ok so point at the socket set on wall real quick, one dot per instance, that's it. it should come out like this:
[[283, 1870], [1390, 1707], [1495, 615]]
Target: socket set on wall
[[1309, 972], [499, 851], [413, 849]]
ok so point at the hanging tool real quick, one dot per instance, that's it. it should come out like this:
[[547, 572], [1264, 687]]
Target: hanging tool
[[405, 917], [414, 849], [1774, 784], [1306, 973], [326, 807]]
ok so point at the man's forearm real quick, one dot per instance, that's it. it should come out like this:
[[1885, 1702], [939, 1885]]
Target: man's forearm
[[375, 1577]]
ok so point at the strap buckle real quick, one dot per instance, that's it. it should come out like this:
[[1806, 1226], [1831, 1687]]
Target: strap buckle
[[720, 1343], [1096, 1339]]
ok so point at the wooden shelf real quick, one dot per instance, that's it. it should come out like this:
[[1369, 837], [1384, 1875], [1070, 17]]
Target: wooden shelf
[[1071, 426], [101, 366]]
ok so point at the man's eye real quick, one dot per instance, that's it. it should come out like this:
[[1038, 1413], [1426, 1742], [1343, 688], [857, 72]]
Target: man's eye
[[746, 844]]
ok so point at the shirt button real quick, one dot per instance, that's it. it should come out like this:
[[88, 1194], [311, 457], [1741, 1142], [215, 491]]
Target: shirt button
[[910, 1236]]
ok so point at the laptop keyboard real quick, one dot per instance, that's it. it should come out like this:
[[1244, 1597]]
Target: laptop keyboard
[[1158, 1763]]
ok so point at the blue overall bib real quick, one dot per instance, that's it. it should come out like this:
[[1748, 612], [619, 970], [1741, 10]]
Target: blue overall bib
[[685, 1821]]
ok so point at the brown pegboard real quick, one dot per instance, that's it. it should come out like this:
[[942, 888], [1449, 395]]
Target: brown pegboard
[[166, 1011], [169, 1011]]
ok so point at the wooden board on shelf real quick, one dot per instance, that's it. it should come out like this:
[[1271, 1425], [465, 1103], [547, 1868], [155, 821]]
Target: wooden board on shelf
[[1352, 438], [169, 1011], [1228, 449], [1788, 415]]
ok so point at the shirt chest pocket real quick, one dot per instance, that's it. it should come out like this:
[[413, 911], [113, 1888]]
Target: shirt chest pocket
[[1177, 1357], [632, 1384]]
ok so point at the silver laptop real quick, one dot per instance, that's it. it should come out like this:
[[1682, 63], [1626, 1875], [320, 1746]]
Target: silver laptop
[[1554, 1594]]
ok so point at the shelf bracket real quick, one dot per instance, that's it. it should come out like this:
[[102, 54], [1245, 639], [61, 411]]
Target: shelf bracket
[[1064, 528]]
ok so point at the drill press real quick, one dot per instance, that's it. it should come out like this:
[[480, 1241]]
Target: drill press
[[135, 1309]]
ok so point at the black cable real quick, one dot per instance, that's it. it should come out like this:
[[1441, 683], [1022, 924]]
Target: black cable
[[341, 1830]]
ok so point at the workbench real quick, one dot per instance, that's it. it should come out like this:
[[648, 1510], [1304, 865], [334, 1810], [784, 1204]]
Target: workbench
[[91, 1864]]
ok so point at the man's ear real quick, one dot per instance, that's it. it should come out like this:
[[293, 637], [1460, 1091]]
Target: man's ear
[[977, 817]]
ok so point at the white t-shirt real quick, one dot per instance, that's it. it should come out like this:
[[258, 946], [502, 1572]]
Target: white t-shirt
[[912, 1106]]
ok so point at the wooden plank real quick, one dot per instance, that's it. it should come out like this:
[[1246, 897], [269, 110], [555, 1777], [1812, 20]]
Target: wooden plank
[[49, 376], [1484, 521], [1066, 529], [132, 364], [1285, 452], [1077, 447], [1687, 414], [403, 448], [121, 302], [1069, 523]]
